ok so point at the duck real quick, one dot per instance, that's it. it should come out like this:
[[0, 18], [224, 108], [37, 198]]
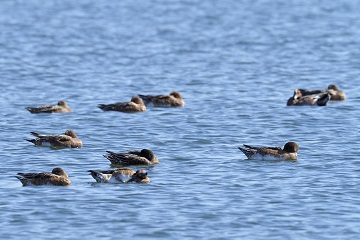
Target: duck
[[174, 99], [288, 152], [57, 177], [67, 140], [61, 107], [135, 105], [135, 157], [120, 175], [319, 99], [335, 93]]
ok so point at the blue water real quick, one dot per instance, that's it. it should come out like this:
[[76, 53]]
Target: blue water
[[236, 63]]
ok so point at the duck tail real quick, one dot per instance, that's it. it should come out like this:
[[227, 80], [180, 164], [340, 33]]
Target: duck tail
[[22, 179], [248, 153], [103, 107], [31, 110], [98, 176]]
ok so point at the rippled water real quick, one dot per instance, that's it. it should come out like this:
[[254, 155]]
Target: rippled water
[[236, 63]]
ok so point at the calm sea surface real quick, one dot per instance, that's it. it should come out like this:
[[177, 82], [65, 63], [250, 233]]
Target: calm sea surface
[[236, 63]]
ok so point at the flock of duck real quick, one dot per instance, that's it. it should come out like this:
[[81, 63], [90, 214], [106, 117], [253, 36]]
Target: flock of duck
[[316, 97], [58, 176]]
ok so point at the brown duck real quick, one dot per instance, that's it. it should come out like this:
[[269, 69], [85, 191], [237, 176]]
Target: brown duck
[[61, 107], [143, 157], [67, 140], [135, 105], [57, 177], [289, 152], [120, 175], [174, 99]]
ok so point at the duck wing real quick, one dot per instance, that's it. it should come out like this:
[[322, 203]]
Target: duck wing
[[126, 159], [41, 109]]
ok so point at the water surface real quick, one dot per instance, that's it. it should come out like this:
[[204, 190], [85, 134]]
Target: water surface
[[236, 63]]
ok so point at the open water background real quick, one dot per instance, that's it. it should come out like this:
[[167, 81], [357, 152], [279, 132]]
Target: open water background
[[236, 63]]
